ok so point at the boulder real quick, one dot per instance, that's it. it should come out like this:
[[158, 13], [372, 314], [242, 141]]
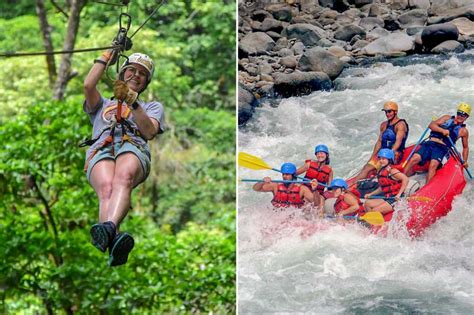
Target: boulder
[[300, 83], [280, 12], [289, 62], [338, 51], [391, 23], [434, 35], [256, 44], [361, 3], [397, 4], [378, 10], [390, 45], [320, 60], [298, 48], [270, 24], [308, 34], [449, 46], [370, 23], [285, 52], [346, 32], [247, 102], [260, 15], [417, 17], [419, 4], [464, 26], [377, 33]]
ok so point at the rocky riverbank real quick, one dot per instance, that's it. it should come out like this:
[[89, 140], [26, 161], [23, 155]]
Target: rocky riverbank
[[293, 47]]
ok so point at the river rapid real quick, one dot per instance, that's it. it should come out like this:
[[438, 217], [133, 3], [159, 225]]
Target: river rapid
[[319, 267]]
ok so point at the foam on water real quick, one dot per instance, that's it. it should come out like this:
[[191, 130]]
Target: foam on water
[[325, 268]]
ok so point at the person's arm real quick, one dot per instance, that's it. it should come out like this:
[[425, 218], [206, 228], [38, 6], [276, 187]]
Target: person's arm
[[435, 125], [378, 144], [310, 195], [396, 174], [353, 204], [265, 186], [400, 130], [464, 134], [303, 168], [331, 174], [91, 93]]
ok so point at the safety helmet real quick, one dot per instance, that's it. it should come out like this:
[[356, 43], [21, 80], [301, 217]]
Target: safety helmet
[[288, 168], [386, 153], [390, 105], [321, 148], [465, 108], [338, 183], [142, 60]]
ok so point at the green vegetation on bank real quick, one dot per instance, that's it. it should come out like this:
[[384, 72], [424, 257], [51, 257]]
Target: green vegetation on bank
[[183, 216]]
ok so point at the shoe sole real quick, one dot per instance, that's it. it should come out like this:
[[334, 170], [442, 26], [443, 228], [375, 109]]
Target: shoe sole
[[100, 238], [119, 252]]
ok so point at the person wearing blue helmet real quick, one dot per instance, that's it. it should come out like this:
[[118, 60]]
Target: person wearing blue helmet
[[347, 201], [393, 135], [392, 184], [437, 147], [289, 194], [318, 169]]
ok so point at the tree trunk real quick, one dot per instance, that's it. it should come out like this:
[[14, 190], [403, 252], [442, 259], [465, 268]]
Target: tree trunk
[[64, 74], [47, 42]]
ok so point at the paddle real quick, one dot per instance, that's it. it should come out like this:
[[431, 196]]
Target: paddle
[[459, 156], [373, 218], [256, 163], [273, 181], [417, 198], [416, 145]]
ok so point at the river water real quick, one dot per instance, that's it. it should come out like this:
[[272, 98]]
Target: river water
[[326, 268]]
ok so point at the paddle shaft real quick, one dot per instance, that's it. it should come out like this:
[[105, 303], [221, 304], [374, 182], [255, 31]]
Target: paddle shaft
[[459, 156], [273, 181], [414, 148]]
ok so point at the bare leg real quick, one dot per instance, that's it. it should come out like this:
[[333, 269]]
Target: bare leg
[[128, 173], [101, 178], [373, 204], [415, 159], [364, 172], [432, 170]]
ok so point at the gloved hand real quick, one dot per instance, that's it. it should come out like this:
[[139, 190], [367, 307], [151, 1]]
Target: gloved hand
[[122, 92], [111, 56]]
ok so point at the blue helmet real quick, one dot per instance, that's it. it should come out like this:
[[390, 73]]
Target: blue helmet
[[288, 168], [321, 148], [338, 183], [386, 153]]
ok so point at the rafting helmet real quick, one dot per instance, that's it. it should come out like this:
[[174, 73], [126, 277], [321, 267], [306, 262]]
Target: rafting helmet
[[338, 183], [464, 108], [288, 168], [142, 60], [322, 148], [390, 105], [386, 153]]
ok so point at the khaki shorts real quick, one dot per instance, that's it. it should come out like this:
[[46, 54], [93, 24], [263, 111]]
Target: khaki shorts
[[106, 154]]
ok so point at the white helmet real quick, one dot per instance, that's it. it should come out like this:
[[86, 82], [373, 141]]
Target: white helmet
[[142, 60]]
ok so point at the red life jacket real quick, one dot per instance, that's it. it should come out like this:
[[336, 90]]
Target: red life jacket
[[287, 197], [320, 173], [341, 205], [390, 187]]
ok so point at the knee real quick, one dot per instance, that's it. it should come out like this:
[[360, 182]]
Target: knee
[[123, 179], [104, 191]]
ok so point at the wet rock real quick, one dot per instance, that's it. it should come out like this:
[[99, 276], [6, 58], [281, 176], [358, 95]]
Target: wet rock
[[320, 60], [390, 45], [260, 15], [434, 35], [464, 26], [360, 44], [256, 43], [417, 17], [247, 102], [391, 23], [300, 83], [449, 46], [346, 32], [370, 23], [414, 30], [308, 34]]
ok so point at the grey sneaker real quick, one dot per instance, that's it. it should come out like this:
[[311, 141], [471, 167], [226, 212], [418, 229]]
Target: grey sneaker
[[121, 246], [102, 235]]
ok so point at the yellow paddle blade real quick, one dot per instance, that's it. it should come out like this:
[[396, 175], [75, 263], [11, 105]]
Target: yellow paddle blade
[[374, 218], [420, 198], [252, 162]]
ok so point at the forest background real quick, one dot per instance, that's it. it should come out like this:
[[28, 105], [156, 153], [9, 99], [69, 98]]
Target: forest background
[[183, 216]]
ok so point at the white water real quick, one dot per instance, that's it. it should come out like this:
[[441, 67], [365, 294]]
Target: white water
[[342, 269]]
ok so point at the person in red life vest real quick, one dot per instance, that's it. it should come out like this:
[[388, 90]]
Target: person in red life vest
[[392, 183], [437, 147], [393, 135], [289, 194], [347, 201], [318, 169]]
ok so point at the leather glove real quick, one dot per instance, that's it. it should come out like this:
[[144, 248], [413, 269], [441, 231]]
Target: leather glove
[[111, 56], [122, 92]]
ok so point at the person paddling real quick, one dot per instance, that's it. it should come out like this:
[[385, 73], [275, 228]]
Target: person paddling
[[119, 157], [393, 135], [318, 169], [437, 147], [347, 201], [392, 183], [289, 194]]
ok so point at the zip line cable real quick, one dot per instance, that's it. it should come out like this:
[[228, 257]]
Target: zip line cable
[[149, 17]]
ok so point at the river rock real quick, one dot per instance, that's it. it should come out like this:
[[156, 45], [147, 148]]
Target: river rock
[[369, 23], [298, 48], [270, 24], [449, 46], [247, 102], [361, 3], [260, 15], [338, 51], [376, 33], [464, 26], [300, 83], [320, 60], [306, 33], [419, 4], [379, 10], [289, 62], [346, 32], [390, 45], [256, 44], [280, 12], [417, 17], [434, 35], [397, 4]]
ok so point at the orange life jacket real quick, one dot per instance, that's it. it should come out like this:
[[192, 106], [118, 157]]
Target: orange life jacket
[[341, 205], [390, 187], [320, 173], [286, 197]]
